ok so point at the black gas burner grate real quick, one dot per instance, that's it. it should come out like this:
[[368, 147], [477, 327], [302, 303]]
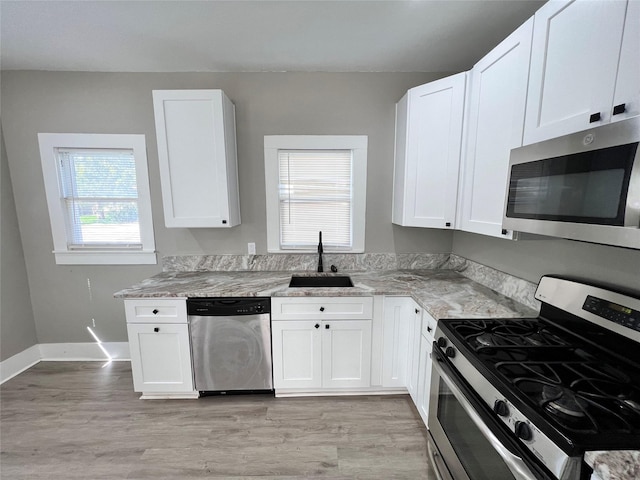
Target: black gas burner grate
[[497, 333], [582, 397]]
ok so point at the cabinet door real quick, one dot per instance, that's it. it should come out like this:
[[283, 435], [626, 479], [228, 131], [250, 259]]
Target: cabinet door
[[297, 354], [424, 378], [628, 81], [574, 61], [160, 357], [428, 144], [346, 353], [413, 365], [197, 152], [497, 98], [397, 327]]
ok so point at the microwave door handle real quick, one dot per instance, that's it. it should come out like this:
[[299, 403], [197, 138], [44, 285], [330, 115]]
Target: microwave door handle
[[515, 464]]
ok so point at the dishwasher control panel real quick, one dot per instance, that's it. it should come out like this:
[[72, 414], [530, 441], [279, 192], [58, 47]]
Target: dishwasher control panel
[[226, 306]]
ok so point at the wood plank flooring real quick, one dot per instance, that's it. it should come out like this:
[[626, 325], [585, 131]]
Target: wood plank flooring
[[82, 420]]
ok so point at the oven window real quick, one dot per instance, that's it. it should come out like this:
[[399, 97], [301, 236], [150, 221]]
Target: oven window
[[474, 451]]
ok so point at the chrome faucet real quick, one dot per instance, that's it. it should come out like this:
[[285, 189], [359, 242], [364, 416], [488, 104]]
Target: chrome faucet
[[320, 250]]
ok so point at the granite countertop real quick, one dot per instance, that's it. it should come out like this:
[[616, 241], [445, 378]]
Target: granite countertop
[[443, 293], [616, 465]]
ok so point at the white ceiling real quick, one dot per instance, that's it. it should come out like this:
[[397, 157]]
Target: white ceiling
[[254, 35]]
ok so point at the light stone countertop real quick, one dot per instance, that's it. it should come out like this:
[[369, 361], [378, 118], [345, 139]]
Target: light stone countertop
[[443, 293], [616, 465]]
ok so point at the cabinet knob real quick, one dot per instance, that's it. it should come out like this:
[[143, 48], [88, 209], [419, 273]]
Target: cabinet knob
[[224, 222], [447, 224], [327, 326], [155, 311], [618, 109], [322, 309], [429, 329], [156, 329], [417, 311], [595, 117], [504, 231], [317, 325]]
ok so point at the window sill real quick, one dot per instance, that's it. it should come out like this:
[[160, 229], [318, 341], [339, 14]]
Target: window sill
[[102, 257]]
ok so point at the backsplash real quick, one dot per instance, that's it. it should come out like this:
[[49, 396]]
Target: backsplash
[[518, 289], [515, 288], [352, 262]]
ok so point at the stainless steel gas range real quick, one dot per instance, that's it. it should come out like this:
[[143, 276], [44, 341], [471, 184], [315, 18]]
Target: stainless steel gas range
[[526, 398]]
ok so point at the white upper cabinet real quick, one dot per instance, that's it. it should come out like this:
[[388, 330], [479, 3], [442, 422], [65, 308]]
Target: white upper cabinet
[[197, 152], [427, 157], [495, 121], [628, 81], [574, 66]]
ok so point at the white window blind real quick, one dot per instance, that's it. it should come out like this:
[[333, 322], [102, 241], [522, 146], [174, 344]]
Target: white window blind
[[315, 194], [100, 198]]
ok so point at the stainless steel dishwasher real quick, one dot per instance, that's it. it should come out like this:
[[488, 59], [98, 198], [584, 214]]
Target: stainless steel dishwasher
[[231, 344]]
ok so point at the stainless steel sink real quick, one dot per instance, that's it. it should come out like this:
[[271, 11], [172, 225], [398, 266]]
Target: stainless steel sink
[[320, 281]]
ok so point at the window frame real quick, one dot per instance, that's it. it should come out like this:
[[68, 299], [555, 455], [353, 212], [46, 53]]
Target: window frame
[[49, 143], [356, 143]]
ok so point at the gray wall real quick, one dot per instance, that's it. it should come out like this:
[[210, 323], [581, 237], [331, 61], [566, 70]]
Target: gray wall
[[266, 104], [530, 259], [17, 326]]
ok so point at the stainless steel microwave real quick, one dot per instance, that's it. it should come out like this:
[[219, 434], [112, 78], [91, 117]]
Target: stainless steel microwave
[[584, 186]]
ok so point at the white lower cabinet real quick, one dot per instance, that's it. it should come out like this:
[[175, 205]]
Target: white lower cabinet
[[321, 354], [396, 330], [321, 343], [424, 378], [160, 357], [346, 354], [297, 354], [424, 365], [159, 347], [413, 366]]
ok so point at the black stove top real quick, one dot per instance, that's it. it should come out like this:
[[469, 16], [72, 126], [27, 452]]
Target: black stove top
[[582, 395]]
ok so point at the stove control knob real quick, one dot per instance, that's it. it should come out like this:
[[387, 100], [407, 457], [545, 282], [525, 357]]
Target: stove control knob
[[523, 431], [450, 352], [442, 342], [259, 308], [501, 408]]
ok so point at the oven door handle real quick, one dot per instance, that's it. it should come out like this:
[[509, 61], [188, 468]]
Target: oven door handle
[[516, 465]]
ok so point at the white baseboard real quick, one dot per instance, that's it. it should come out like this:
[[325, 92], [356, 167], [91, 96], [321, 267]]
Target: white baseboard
[[294, 392], [69, 352], [53, 352], [18, 363]]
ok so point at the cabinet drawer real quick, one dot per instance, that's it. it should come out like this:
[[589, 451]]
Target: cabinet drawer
[[429, 325], [156, 310], [321, 308]]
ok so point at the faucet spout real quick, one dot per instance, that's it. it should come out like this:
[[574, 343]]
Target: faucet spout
[[320, 250]]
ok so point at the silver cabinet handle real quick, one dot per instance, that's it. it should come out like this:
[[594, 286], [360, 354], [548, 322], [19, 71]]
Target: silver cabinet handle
[[513, 462]]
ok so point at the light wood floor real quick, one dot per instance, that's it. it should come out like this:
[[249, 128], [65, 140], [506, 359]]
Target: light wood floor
[[82, 420]]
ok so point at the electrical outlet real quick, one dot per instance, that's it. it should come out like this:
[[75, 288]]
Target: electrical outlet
[[251, 248]]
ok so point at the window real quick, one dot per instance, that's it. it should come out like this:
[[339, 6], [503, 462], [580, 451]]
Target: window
[[97, 191], [315, 183]]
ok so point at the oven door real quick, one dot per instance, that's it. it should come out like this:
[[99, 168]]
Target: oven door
[[467, 441]]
